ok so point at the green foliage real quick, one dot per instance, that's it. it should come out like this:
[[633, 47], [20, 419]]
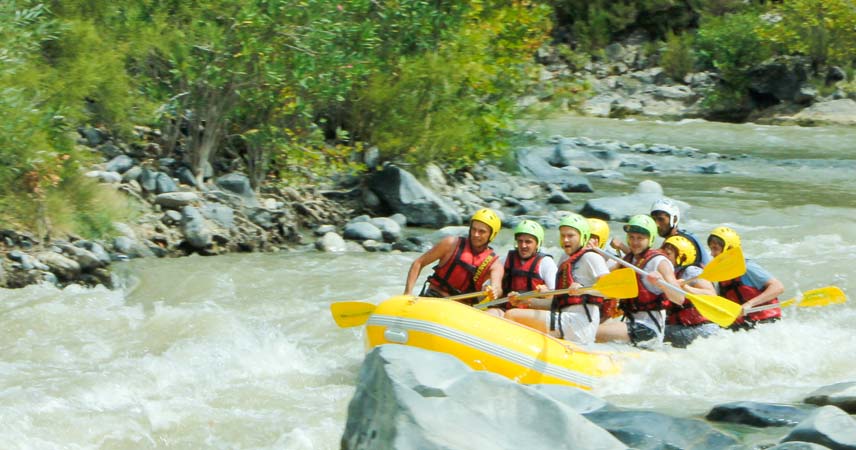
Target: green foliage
[[455, 105], [732, 43], [678, 59], [595, 23], [824, 30]]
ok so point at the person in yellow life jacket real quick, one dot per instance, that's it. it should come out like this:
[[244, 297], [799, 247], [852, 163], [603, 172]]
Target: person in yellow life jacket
[[567, 316], [599, 238], [754, 288], [684, 323], [644, 321], [465, 264], [526, 268]]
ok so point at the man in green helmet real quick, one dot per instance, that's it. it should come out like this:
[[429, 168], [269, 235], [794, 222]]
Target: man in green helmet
[[526, 267]]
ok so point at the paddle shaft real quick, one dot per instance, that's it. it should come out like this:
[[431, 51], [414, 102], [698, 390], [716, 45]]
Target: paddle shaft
[[640, 271], [531, 294]]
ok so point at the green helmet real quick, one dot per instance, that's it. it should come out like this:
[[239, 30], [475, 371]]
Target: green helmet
[[644, 224], [580, 224], [530, 227]]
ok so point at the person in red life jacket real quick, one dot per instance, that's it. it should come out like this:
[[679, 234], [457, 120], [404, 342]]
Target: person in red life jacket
[[526, 268], [599, 238], [666, 215], [756, 286], [684, 323], [567, 316], [465, 264], [644, 321]]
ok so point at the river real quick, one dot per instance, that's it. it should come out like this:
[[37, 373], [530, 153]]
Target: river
[[240, 351]]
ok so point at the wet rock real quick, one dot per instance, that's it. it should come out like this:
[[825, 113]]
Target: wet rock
[[66, 269], [239, 185], [712, 169], [646, 430], [195, 230], [389, 228], [827, 425], [176, 200], [757, 414], [401, 389], [842, 395], [331, 242]]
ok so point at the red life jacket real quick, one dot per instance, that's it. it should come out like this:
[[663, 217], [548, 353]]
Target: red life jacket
[[465, 272], [522, 275], [685, 314], [740, 293], [564, 280], [647, 300]]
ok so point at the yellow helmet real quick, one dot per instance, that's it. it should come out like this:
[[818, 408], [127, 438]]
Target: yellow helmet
[[686, 250], [489, 218], [729, 237], [600, 229]]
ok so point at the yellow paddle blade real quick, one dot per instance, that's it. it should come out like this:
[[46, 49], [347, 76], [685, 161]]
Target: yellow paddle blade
[[728, 265], [829, 295], [351, 314], [620, 283], [718, 310]]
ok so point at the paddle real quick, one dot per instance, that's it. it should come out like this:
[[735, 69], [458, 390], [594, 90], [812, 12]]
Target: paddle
[[618, 284], [718, 310], [829, 295], [351, 314], [728, 265], [354, 314]]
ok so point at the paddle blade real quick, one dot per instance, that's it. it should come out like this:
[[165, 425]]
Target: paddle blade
[[620, 283], [718, 310], [351, 314], [829, 295], [728, 265]]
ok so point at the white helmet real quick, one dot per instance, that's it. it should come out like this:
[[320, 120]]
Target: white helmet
[[667, 206]]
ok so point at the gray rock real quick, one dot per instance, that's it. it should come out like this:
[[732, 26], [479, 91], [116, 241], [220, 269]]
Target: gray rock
[[132, 174], [164, 183], [65, 268], [176, 200], [238, 184], [842, 395], [195, 230], [362, 231], [402, 193], [827, 425], [331, 242], [222, 215], [757, 414], [407, 397], [648, 430], [389, 228], [120, 164], [324, 229], [131, 248]]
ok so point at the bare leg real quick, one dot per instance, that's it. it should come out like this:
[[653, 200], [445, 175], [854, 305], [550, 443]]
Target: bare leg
[[612, 331]]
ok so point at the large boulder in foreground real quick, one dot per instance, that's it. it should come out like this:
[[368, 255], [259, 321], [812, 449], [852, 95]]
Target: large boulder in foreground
[[407, 397], [402, 193]]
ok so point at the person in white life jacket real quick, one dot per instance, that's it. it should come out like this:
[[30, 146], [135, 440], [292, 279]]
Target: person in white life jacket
[[465, 264], [644, 321], [754, 288], [684, 323], [667, 215], [526, 268], [567, 316]]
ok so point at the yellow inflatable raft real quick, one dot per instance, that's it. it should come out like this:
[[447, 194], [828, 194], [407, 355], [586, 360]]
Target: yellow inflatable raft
[[485, 342]]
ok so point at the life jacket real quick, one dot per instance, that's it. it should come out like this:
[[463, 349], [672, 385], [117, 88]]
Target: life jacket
[[564, 280], [740, 293], [646, 300], [685, 314], [522, 275], [465, 272]]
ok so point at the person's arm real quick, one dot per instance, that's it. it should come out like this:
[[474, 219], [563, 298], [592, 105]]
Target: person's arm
[[497, 270], [445, 247], [666, 272], [619, 245], [772, 289], [700, 286]]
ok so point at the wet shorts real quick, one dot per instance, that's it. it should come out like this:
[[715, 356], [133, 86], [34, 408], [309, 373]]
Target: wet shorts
[[642, 336]]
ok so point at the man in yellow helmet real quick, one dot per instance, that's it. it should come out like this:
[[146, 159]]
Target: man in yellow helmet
[[465, 264], [684, 323]]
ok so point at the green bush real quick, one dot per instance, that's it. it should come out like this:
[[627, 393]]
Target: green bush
[[678, 59]]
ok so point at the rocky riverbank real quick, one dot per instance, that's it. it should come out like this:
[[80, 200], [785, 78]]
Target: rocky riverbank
[[178, 216]]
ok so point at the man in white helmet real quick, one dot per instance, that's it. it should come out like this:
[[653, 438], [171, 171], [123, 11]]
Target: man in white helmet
[[667, 215]]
